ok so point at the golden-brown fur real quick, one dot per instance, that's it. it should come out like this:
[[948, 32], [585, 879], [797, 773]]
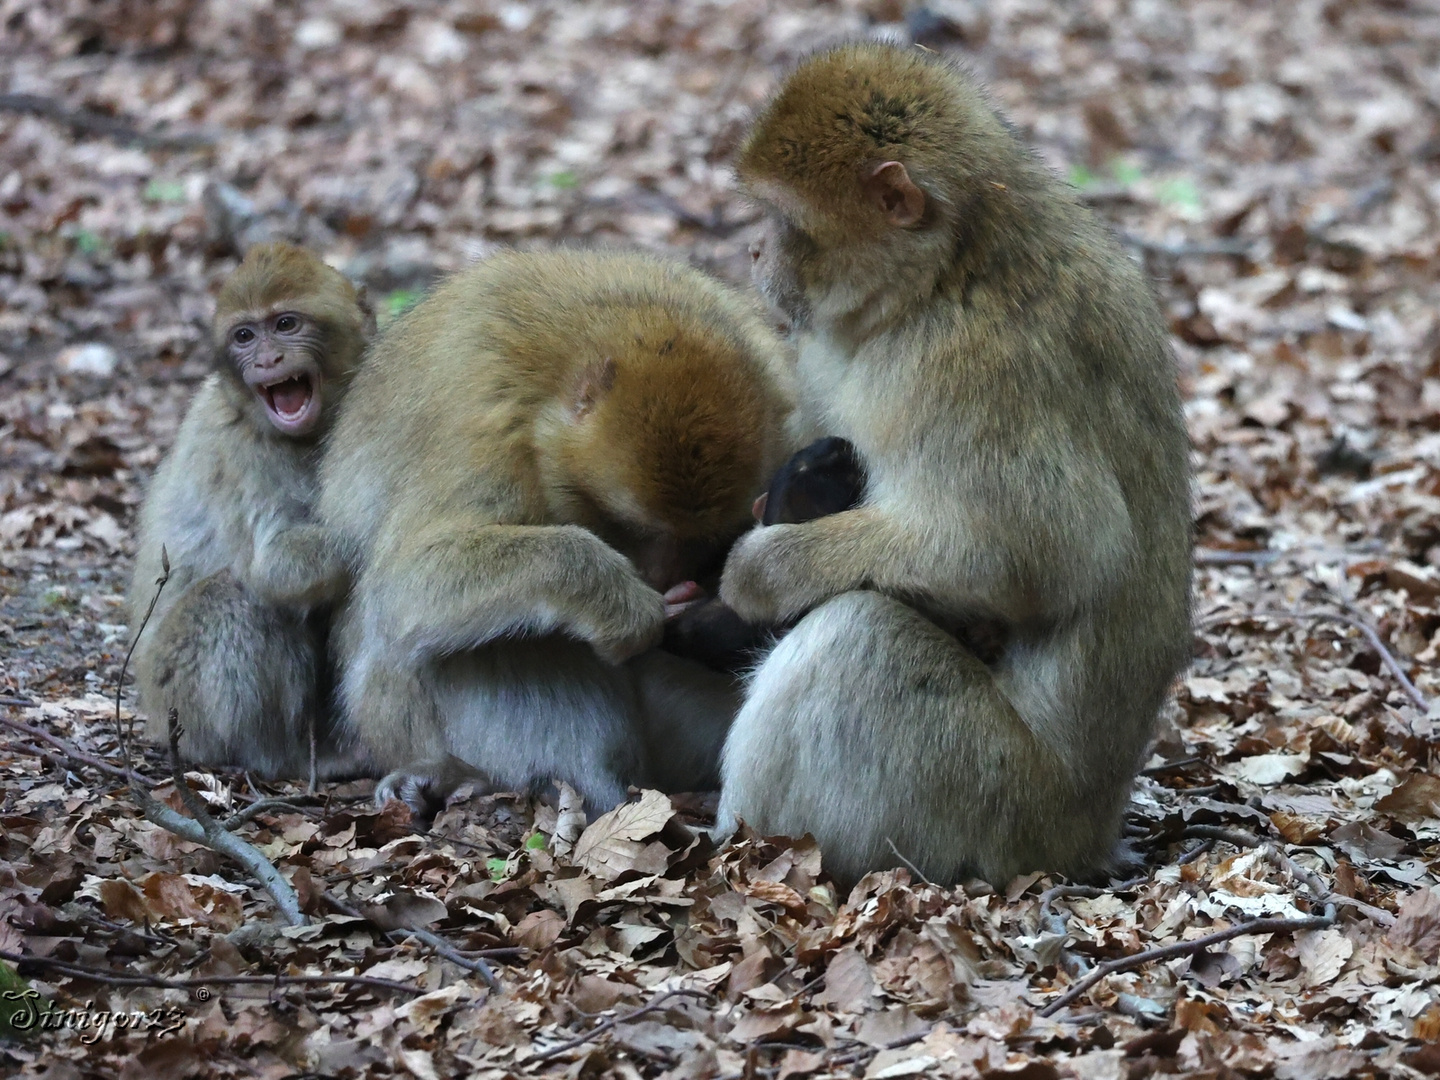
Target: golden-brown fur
[[1005, 375], [237, 642], [510, 441]]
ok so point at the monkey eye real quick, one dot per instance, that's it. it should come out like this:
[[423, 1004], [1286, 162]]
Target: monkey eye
[[243, 335], [286, 323]]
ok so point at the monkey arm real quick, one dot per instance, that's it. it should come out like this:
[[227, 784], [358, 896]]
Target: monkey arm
[[460, 582], [299, 567], [1039, 557], [778, 572]]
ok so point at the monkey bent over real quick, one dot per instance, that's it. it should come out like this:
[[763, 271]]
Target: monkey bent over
[[236, 644], [527, 461], [1004, 373]]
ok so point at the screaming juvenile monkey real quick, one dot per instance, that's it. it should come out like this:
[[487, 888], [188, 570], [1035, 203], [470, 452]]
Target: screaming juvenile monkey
[[825, 477], [528, 460], [1005, 375], [237, 642]]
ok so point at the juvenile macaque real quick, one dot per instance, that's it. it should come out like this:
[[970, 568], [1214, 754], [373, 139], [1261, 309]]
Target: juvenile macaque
[[823, 478], [237, 642], [1004, 373], [528, 461]]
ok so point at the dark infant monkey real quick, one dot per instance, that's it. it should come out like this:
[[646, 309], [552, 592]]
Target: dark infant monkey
[[823, 478]]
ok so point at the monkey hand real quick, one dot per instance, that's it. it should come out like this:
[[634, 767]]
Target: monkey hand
[[750, 584], [300, 567], [627, 619], [424, 786]]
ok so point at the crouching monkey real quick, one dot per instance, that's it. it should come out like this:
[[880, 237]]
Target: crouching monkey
[[236, 644], [527, 462]]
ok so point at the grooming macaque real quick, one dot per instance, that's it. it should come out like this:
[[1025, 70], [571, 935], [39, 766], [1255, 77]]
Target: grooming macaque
[[528, 461], [823, 478], [237, 641], [1004, 373]]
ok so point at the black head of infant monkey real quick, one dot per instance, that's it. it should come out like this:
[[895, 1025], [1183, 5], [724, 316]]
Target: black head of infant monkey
[[824, 478]]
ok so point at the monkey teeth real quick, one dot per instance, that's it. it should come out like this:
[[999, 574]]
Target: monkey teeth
[[289, 399]]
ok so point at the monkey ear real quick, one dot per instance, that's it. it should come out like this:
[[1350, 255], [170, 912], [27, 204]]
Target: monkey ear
[[367, 312], [595, 382], [894, 194]]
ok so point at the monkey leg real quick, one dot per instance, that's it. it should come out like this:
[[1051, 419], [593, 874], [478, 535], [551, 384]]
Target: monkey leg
[[867, 726], [512, 715], [243, 676], [686, 710]]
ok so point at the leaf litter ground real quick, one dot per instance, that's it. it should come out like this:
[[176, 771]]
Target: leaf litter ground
[[1277, 169]]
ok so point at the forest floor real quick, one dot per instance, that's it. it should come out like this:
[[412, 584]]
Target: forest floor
[[1277, 169]]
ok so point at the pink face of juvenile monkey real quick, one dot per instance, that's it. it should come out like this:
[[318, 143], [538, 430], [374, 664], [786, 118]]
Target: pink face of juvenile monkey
[[280, 358]]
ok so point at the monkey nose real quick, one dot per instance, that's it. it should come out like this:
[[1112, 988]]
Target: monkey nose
[[756, 250]]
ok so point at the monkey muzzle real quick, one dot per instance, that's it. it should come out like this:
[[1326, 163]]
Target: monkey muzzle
[[292, 402]]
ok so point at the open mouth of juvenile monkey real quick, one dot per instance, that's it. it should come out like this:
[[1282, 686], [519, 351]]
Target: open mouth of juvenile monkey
[[293, 403]]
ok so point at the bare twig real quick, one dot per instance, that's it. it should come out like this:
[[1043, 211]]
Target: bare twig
[[204, 829], [476, 964], [18, 703], [310, 788], [913, 868], [1220, 557], [602, 1028], [70, 750], [140, 978], [1270, 850], [1351, 619], [1174, 763], [89, 122], [1188, 948], [1195, 853], [254, 810], [120, 732], [1049, 896]]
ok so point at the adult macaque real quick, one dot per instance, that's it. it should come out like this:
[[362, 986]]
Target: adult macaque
[[1005, 375], [529, 459], [236, 644], [825, 477]]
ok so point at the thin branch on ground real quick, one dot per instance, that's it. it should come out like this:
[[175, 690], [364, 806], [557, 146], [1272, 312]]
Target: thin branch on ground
[[1218, 557], [1195, 853], [1270, 850], [72, 752], [1049, 896], [1188, 948], [89, 122], [1349, 618], [614, 1021], [254, 810], [1053, 923], [438, 944], [120, 733], [1167, 766], [201, 828], [18, 703], [140, 978], [912, 867]]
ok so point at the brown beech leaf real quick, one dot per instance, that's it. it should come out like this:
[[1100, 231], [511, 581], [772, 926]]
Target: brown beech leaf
[[612, 844], [1418, 926], [1416, 799]]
